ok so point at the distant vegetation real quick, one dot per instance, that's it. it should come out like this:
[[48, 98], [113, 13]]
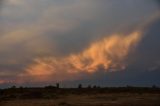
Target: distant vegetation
[[54, 91]]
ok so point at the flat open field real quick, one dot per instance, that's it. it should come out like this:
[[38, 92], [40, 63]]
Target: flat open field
[[79, 98], [91, 100]]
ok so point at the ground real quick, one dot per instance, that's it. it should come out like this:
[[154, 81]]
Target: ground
[[110, 99]]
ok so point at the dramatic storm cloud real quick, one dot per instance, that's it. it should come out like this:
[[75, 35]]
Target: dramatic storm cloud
[[67, 40]]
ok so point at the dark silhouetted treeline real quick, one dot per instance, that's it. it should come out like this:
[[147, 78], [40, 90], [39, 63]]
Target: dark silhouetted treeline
[[51, 91]]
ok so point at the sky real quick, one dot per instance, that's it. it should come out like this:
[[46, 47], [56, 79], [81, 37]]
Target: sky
[[103, 42]]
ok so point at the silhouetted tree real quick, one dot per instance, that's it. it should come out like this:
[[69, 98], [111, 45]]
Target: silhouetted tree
[[89, 86], [49, 87], [21, 87], [128, 86], [98, 87], [94, 86], [80, 86], [57, 85], [154, 86], [13, 87]]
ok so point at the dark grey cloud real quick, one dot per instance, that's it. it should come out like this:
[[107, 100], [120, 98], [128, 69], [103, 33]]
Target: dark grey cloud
[[158, 1], [147, 54], [1, 3], [110, 17]]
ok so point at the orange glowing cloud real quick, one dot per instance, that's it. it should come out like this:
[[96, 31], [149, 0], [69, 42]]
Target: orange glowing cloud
[[107, 54], [2, 81]]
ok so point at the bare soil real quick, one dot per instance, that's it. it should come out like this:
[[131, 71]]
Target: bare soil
[[98, 99]]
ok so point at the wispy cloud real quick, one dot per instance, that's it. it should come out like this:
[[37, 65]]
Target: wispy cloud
[[107, 54]]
